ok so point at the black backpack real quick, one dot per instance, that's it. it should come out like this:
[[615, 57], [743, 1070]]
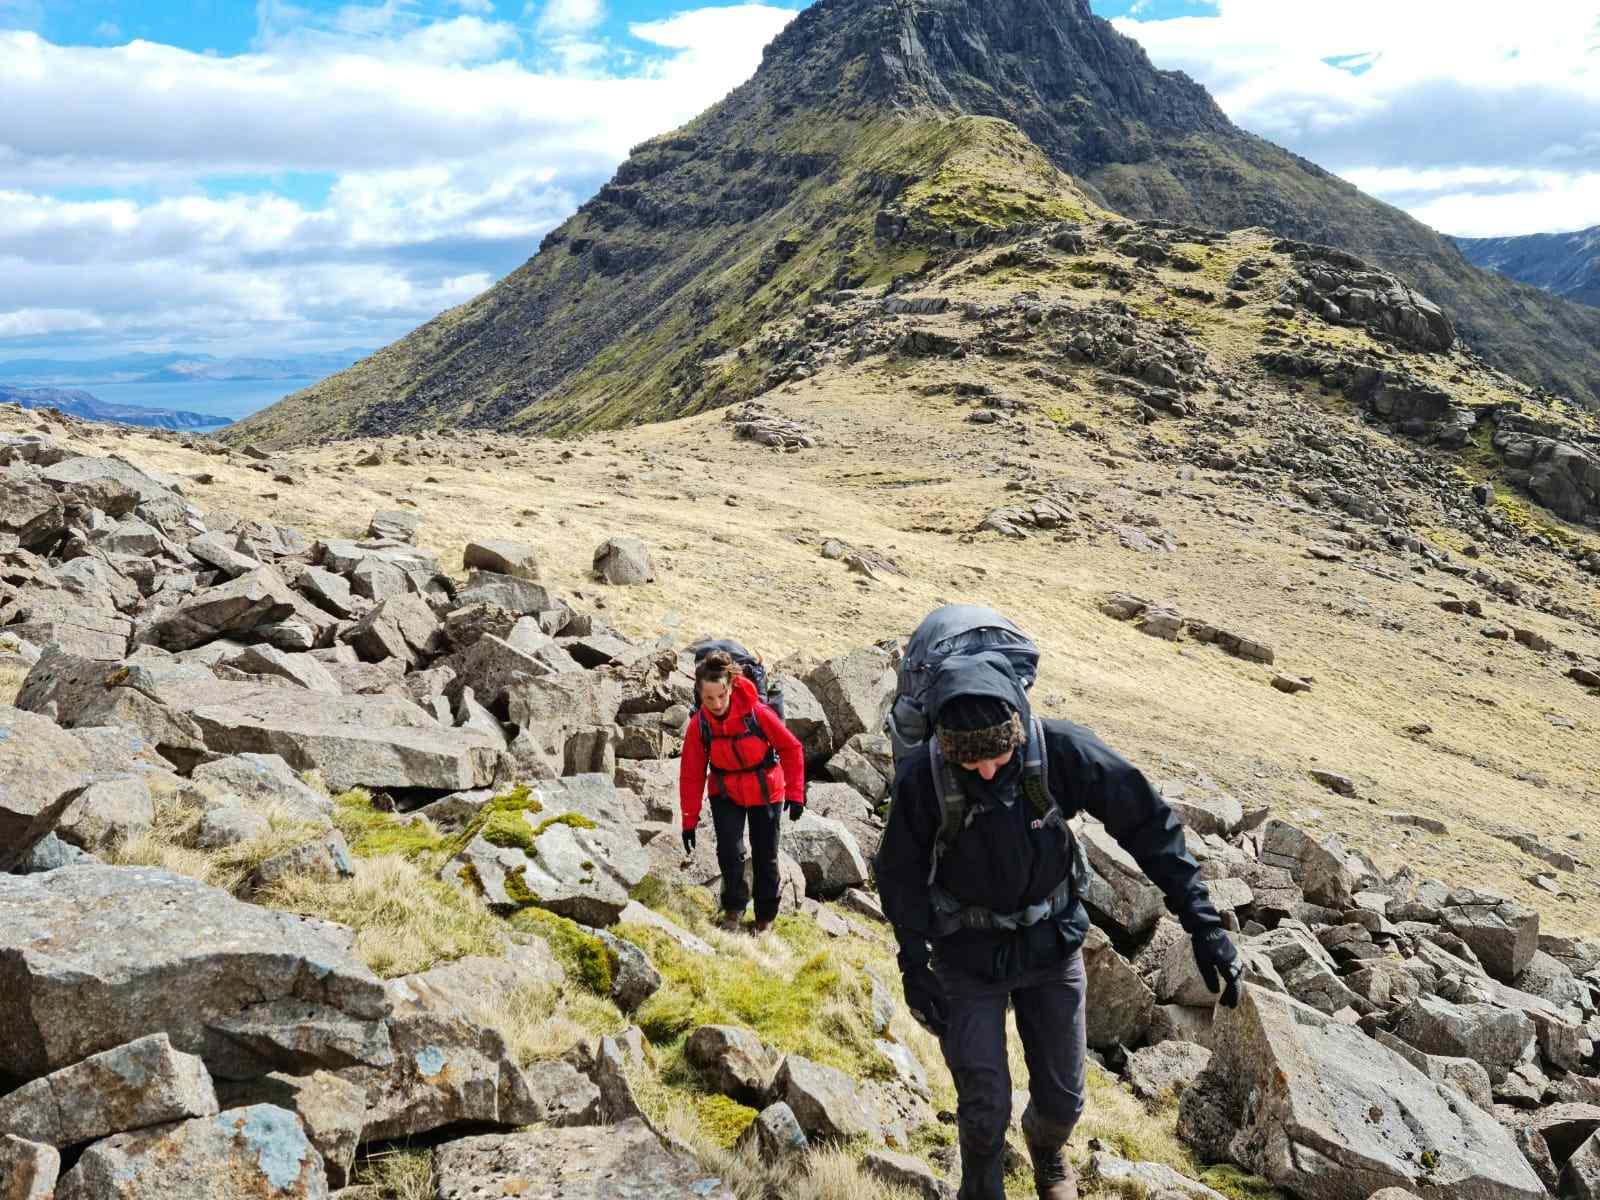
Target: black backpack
[[951, 630]]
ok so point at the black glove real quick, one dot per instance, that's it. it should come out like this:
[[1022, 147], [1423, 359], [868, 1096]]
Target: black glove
[[925, 999], [688, 841], [795, 809], [1219, 963]]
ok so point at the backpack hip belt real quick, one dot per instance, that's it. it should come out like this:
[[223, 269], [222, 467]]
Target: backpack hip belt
[[951, 916]]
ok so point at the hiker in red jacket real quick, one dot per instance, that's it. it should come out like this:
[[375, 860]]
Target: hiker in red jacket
[[756, 768]]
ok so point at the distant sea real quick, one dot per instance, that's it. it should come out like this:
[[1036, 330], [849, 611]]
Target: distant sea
[[231, 398]]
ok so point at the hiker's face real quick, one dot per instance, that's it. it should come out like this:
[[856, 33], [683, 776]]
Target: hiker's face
[[986, 767], [716, 696]]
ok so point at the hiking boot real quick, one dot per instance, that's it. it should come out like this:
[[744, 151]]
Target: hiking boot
[[761, 926], [729, 921], [1053, 1175]]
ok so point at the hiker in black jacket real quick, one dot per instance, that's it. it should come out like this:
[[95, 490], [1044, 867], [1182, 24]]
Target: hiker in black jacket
[[984, 893]]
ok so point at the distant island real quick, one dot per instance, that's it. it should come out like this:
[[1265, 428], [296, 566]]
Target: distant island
[[81, 404], [146, 387]]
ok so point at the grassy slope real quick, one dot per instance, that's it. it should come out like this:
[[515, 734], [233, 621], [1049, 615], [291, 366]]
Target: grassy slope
[[566, 343]]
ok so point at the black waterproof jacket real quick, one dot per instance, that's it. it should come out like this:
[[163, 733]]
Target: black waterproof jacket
[[1004, 863]]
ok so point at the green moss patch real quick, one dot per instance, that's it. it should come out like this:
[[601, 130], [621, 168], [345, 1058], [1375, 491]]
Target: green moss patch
[[570, 820], [585, 956], [502, 818], [721, 1119]]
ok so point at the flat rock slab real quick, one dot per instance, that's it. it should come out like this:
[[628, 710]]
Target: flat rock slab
[[620, 1162], [92, 957], [355, 741], [145, 1082], [42, 770], [1323, 1111], [448, 1068], [261, 1152]]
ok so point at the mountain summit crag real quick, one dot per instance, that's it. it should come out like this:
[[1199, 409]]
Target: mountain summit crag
[[876, 137]]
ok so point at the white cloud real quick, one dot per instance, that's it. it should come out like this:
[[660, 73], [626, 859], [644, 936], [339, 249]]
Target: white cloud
[[570, 16], [445, 157], [32, 322], [1423, 85]]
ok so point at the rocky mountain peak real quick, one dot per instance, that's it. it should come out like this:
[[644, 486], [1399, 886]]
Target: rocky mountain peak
[[1083, 92]]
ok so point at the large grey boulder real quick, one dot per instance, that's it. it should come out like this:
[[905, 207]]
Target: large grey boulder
[[43, 769], [1119, 893], [1497, 1038], [854, 690], [145, 1082], [247, 989], [1119, 1176], [1323, 1111], [1581, 1176], [828, 854], [236, 607], [1502, 933], [107, 813], [113, 485], [623, 560], [1120, 1004], [826, 1102], [1463, 1074], [805, 717], [30, 511], [866, 763], [502, 557], [375, 742], [301, 670], [29, 1169], [265, 783], [449, 1067], [1319, 868], [734, 1060], [1156, 1072], [331, 1110], [619, 1162], [399, 627], [260, 1151], [774, 1135]]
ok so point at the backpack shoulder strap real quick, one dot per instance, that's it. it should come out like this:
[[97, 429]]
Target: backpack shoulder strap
[[952, 801], [705, 731]]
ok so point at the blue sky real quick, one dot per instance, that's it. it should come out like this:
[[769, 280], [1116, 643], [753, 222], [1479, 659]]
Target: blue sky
[[250, 178]]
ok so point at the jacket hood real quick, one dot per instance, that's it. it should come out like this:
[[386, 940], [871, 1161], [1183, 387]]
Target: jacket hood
[[986, 674]]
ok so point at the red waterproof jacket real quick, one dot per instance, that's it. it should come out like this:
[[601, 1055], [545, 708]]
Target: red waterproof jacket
[[735, 748]]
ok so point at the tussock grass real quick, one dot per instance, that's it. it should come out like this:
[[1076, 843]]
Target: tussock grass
[[541, 1022], [404, 921], [169, 843], [398, 1174]]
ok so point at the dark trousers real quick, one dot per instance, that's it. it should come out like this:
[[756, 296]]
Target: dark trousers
[[765, 824], [1050, 1017]]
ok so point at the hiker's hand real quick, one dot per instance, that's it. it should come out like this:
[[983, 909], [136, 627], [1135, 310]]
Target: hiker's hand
[[688, 842], [1219, 964], [795, 809], [925, 999]]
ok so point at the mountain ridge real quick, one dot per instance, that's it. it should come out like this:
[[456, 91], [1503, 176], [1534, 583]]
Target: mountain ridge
[[775, 196], [1567, 264]]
